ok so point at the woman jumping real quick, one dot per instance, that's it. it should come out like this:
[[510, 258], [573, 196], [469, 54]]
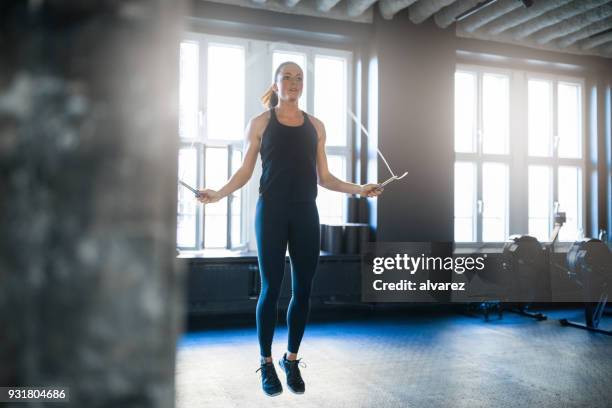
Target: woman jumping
[[292, 147]]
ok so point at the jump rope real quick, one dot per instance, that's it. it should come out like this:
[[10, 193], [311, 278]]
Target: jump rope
[[357, 122]]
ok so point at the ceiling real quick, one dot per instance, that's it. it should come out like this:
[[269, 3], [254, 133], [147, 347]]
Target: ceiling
[[571, 26]]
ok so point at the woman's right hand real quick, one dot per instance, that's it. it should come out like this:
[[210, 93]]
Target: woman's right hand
[[208, 196]]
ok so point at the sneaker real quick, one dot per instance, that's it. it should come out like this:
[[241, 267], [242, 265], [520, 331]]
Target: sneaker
[[269, 380], [294, 378]]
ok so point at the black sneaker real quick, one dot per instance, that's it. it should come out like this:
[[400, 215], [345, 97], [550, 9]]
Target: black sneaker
[[294, 378], [269, 380]]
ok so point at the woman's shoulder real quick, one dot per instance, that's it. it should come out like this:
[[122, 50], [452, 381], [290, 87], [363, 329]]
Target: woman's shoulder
[[315, 121], [260, 120]]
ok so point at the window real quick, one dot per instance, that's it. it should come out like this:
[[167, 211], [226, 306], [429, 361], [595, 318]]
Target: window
[[225, 88], [330, 101], [540, 201], [188, 211], [221, 72], [517, 135], [482, 155], [212, 77], [465, 199], [555, 164]]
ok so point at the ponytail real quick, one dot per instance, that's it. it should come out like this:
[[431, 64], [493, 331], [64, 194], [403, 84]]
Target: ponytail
[[270, 98]]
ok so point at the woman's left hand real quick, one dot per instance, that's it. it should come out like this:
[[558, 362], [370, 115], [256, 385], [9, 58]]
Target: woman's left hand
[[371, 190], [208, 196]]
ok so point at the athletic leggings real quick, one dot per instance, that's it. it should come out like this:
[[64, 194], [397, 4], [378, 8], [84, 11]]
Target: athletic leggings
[[278, 223]]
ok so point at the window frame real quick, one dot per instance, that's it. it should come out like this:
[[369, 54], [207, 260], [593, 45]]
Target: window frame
[[554, 161], [478, 157], [518, 158]]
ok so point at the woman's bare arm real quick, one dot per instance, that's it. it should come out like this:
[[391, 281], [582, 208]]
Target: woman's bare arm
[[252, 143], [328, 180]]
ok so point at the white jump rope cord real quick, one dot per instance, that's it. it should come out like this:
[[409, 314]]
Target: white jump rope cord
[[367, 134]]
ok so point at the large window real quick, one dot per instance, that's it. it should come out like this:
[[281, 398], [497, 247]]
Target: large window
[[517, 135], [212, 78], [188, 211], [555, 155], [482, 155], [221, 80]]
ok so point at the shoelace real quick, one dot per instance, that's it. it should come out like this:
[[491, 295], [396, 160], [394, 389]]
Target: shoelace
[[299, 363], [268, 371], [264, 368], [294, 371]]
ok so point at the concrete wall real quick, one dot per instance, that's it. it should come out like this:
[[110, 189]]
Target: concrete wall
[[416, 65]]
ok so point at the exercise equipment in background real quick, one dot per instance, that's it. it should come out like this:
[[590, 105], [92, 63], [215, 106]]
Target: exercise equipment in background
[[589, 263], [345, 238], [348, 237], [525, 267], [525, 261], [356, 209]]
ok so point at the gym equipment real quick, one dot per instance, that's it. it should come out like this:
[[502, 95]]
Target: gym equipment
[[354, 236], [333, 239], [486, 308], [347, 238], [356, 209], [559, 220], [525, 260], [589, 263], [532, 266], [528, 265]]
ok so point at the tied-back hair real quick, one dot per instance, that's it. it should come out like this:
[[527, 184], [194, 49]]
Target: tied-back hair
[[270, 98]]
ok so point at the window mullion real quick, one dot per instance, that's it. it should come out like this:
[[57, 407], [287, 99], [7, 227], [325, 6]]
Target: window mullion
[[555, 158], [479, 160], [203, 102], [519, 170], [230, 197], [200, 210]]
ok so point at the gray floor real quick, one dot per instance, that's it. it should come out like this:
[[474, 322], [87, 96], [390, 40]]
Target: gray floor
[[436, 360]]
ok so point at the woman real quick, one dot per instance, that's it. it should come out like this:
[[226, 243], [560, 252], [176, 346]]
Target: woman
[[292, 147]]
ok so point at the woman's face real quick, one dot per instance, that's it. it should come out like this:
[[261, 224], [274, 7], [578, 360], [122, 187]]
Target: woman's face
[[289, 82]]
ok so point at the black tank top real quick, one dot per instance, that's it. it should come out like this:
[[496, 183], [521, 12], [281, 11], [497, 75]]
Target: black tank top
[[288, 161]]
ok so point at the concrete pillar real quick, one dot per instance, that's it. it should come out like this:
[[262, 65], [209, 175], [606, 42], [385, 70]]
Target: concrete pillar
[[90, 294]]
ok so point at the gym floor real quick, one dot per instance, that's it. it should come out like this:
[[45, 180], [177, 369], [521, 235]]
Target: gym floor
[[407, 359]]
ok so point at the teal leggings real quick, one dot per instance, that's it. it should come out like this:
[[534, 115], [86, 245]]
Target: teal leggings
[[278, 224]]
